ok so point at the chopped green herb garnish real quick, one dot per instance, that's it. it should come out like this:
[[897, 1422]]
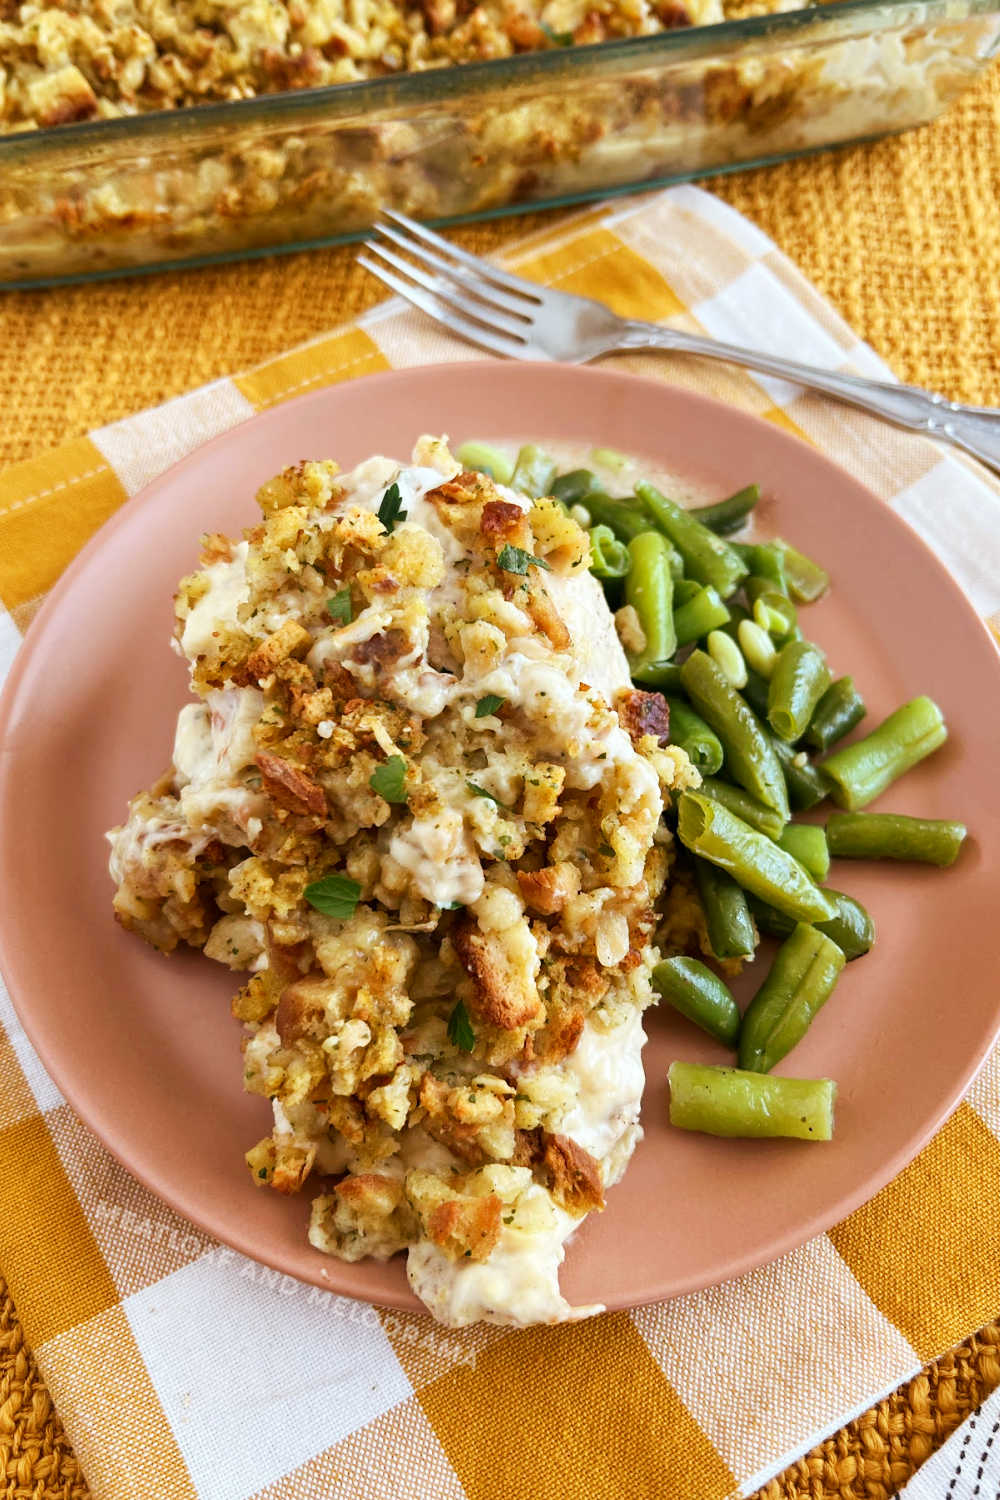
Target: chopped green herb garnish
[[450, 905], [489, 705], [516, 560], [261, 1171], [480, 791], [460, 1032], [340, 606], [334, 895], [557, 38], [389, 779], [606, 850], [389, 512]]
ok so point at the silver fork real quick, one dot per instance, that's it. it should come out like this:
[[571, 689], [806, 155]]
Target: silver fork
[[522, 320]]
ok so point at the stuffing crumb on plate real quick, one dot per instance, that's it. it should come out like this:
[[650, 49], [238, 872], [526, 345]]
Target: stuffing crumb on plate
[[417, 801]]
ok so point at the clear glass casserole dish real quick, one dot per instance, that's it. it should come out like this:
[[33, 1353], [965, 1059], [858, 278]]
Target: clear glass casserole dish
[[293, 170]]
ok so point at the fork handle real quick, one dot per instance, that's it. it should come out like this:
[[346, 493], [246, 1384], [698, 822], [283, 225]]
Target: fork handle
[[974, 428]]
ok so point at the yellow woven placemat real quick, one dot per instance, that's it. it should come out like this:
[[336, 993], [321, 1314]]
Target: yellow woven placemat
[[903, 236]]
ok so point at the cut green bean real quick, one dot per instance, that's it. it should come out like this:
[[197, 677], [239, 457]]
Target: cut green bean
[[649, 588], [485, 459], [758, 649], [707, 828], [750, 756], [765, 561], [688, 730], [702, 612], [733, 1102], [928, 841], [807, 581], [852, 929], [626, 518], [798, 681], [534, 472], [706, 556], [686, 589], [807, 786], [667, 678], [755, 693], [699, 995], [724, 516], [862, 771], [801, 980], [806, 842], [575, 486], [610, 458], [840, 710], [742, 805], [608, 556], [730, 927]]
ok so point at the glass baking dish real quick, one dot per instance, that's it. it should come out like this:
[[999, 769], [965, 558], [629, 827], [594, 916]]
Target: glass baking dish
[[293, 170]]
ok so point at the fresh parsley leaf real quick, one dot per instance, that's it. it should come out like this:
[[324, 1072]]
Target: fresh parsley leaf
[[340, 606], [489, 705], [557, 38], [334, 895], [460, 1032], [606, 850], [516, 560], [389, 512], [450, 905], [389, 779], [480, 791]]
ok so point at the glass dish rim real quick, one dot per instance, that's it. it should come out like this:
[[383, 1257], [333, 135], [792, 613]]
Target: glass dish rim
[[437, 85]]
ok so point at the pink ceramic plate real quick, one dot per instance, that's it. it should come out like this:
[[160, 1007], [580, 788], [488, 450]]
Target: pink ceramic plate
[[144, 1047]]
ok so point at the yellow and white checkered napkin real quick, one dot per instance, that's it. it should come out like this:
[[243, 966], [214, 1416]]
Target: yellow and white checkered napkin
[[181, 1369]]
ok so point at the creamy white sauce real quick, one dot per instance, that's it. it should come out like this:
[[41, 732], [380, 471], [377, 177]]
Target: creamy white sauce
[[519, 1283], [227, 590]]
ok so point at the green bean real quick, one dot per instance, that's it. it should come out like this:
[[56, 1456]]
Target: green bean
[[759, 865], [929, 841], [765, 560], [534, 472], [687, 729], [731, 933], [608, 556], [573, 487], [668, 678], [732, 1102], [485, 460], [806, 842], [806, 967], [862, 771], [840, 710], [706, 556], [703, 612], [699, 995], [737, 614], [852, 929], [742, 805], [610, 458], [686, 589], [807, 786], [728, 515], [649, 588], [755, 693], [626, 519], [807, 581], [750, 756], [798, 681]]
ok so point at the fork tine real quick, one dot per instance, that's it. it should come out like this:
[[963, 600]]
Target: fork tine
[[435, 308], [474, 262], [494, 318], [472, 281]]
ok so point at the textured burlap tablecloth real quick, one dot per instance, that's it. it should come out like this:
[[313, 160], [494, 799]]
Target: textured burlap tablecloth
[[903, 236]]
